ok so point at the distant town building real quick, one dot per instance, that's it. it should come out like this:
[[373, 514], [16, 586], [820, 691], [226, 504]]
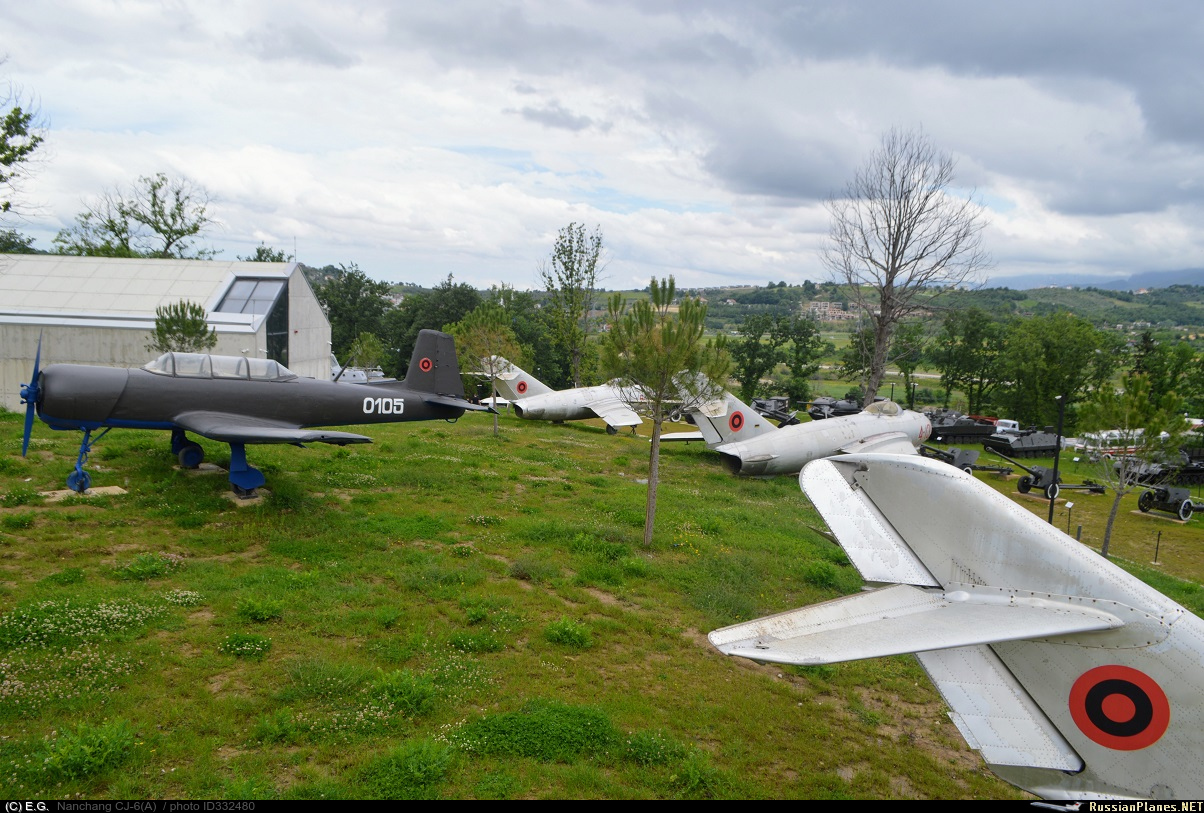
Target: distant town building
[[828, 312]]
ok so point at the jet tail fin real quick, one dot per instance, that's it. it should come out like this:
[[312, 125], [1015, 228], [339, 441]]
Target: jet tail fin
[[514, 383], [729, 419], [433, 367]]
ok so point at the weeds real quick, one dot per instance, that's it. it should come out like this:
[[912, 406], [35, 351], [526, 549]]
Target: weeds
[[258, 610], [569, 633], [413, 770], [83, 751], [244, 645], [149, 566]]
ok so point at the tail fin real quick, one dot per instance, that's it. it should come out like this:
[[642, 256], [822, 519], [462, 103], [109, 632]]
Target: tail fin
[[514, 383], [433, 367], [729, 420]]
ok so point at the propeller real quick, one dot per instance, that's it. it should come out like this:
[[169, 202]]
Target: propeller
[[29, 396]]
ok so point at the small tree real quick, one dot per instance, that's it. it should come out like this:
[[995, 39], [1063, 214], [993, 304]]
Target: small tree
[[570, 276], [896, 232], [658, 356], [156, 217], [20, 134], [266, 254], [182, 327], [366, 351], [1151, 427], [485, 335]]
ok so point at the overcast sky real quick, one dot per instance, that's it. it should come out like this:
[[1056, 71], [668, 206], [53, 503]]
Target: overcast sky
[[423, 139]]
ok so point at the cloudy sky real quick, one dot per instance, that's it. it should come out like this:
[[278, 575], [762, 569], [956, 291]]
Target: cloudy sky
[[423, 139]]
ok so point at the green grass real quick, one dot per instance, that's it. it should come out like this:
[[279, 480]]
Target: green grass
[[444, 614]]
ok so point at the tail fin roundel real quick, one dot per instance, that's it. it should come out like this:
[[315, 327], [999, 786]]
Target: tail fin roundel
[[433, 367]]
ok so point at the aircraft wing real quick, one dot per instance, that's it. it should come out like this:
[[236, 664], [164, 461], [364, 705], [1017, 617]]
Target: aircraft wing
[[900, 619], [233, 428], [615, 413], [885, 443]]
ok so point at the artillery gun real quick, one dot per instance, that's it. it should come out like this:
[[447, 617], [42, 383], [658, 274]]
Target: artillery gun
[[1167, 498], [1042, 479], [964, 459], [776, 408]]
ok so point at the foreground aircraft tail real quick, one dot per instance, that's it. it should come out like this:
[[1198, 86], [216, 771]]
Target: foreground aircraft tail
[[728, 419], [435, 372], [513, 383], [1074, 679]]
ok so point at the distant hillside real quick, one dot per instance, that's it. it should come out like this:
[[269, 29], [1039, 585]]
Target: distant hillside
[[1132, 282]]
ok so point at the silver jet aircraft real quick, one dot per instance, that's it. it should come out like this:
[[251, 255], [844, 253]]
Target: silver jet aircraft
[[1072, 678], [753, 446], [534, 400]]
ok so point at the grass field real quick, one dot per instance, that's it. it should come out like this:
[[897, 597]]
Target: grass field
[[446, 614]]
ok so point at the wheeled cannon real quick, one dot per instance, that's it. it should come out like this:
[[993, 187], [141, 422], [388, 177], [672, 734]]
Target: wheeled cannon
[[1042, 479], [1173, 500]]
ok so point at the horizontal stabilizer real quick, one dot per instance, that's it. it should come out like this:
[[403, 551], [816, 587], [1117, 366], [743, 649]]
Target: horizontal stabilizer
[[229, 428], [458, 403], [885, 443], [899, 619], [681, 437]]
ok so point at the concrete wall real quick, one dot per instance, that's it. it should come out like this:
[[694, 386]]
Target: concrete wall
[[121, 342], [309, 330]]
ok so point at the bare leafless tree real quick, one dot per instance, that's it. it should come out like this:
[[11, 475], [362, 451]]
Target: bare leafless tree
[[896, 232]]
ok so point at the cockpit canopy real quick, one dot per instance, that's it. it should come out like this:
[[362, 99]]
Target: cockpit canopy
[[203, 365], [887, 408]]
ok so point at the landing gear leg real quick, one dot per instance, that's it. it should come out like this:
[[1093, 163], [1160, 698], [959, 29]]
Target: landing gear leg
[[243, 478], [188, 452], [79, 480]]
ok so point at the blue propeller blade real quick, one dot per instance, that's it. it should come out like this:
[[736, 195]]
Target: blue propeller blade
[[29, 394]]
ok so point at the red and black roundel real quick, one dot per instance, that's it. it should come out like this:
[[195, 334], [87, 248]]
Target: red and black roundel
[[425, 365], [1120, 708], [522, 387], [736, 421]]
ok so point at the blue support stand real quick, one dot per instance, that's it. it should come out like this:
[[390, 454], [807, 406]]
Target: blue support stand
[[243, 477]]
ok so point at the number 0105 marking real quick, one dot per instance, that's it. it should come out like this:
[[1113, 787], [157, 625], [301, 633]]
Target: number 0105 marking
[[384, 406]]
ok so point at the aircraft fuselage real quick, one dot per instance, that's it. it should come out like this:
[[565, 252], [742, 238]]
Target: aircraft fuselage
[[787, 450], [84, 397]]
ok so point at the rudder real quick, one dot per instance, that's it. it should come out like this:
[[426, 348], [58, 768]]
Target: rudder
[[729, 421], [514, 383], [433, 367]]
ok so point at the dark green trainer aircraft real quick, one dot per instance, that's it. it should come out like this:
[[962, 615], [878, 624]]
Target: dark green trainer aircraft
[[237, 400]]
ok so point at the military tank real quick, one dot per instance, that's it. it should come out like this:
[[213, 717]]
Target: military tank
[[826, 406], [1025, 443], [949, 426]]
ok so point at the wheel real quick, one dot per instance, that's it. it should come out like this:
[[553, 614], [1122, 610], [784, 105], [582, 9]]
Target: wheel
[[191, 456], [1146, 501], [1185, 509], [79, 481], [1025, 484], [1051, 491], [612, 430]]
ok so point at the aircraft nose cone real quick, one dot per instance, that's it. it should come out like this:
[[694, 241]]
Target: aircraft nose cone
[[29, 393]]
